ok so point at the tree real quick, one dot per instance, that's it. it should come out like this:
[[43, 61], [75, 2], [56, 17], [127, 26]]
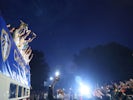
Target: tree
[[106, 62], [39, 70]]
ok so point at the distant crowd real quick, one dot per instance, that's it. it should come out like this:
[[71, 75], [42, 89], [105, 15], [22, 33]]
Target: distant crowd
[[114, 91]]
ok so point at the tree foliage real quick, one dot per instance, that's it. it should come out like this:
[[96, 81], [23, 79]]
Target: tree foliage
[[39, 69], [106, 62]]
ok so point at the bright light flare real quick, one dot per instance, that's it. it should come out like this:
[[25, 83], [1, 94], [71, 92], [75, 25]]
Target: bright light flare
[[85, 90], [51, 78], [57, 73]]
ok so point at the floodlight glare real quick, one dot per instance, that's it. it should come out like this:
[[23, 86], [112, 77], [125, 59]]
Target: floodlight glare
[[57, 73], [51, 78], [85, 90]]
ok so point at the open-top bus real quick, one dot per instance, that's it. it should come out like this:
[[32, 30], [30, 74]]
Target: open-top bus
[[14, 72]]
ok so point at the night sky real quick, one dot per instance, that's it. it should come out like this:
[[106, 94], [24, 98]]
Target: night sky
[[64, 27]]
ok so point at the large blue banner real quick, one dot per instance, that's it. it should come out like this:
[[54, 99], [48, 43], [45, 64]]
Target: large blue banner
[[12, 63]]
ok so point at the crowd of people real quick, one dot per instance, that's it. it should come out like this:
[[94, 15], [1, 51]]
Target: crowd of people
[[113, 91], [22, 36]]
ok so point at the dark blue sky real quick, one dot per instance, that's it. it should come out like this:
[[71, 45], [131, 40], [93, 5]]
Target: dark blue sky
[[64, 27]]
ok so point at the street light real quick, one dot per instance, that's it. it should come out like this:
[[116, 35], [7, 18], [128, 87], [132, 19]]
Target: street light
[[57, 73], [51, 78]]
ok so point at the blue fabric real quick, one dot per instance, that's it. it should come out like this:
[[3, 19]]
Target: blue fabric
[[12, 63]]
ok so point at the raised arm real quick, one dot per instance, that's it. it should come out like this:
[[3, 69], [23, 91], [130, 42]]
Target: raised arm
[[27, 33], [30, 57], [31, 39]]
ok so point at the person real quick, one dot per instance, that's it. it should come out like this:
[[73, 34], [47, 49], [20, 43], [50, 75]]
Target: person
[[19, 32], [51, 88], [50, 93], [11, 30], [98, 94], [29, 59], [27, 53], [28, 50], [60, 94], [24, 43]]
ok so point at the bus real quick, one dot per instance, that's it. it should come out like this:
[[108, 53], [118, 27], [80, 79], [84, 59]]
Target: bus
[[14, 72]]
